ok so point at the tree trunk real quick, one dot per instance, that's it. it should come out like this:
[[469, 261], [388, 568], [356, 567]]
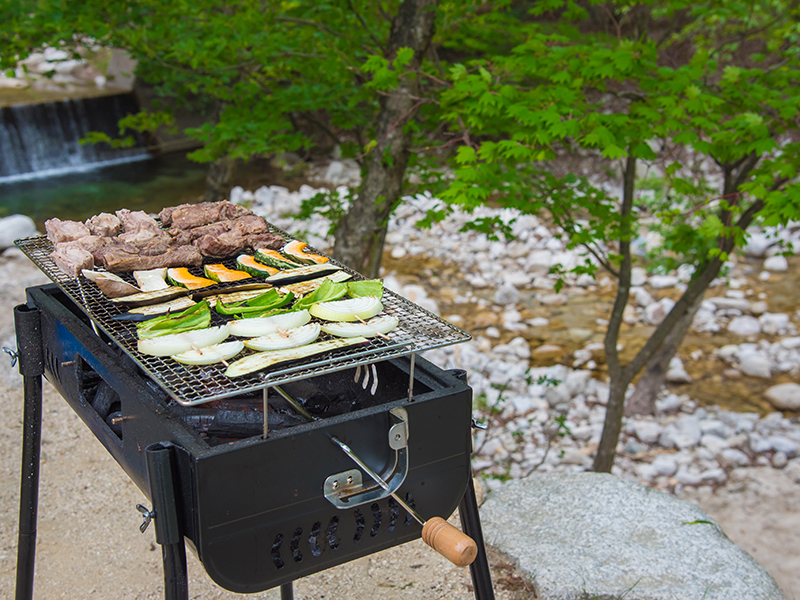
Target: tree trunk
[[361, 232], [218, 180], [643, 399], [607, 449]]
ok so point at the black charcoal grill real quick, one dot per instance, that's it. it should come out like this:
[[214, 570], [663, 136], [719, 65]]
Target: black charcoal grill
[[261, 493]]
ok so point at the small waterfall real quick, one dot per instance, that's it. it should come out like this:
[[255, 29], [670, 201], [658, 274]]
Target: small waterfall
[[41, 140]]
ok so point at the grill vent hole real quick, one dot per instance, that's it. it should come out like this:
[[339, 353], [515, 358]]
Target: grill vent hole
[[360, 524], [394, 512], [378, 516], [313, 544], [276, 551], [410, 502], [330, 534], [294, 545]]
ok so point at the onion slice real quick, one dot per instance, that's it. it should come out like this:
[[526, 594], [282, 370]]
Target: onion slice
[[298, 336], [258, 326], [175, 343], [351, 309], [210, 354], [373, 327]]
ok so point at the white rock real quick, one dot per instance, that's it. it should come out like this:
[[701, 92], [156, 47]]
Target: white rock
[[506, 294], [734, 457], [647, 431], [722, 303], [15, 227], [663, 281], [773, 323], [676, 372], [759, 308], [757, 245], [638, 276], [779, 443], [784, 396], [669, 404], [744, 326], [714, 443], [656, 312], [756, 365], [776, 263], [641, 296], [665, 464], [779, 460]]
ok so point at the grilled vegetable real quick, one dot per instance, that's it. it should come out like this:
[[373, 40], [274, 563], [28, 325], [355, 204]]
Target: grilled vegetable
[[112, 286], [250, 265], [351, 309], [176, 343], [301, 274], [181, 276], [261, 303], [147, 298], [304, 287], [151, 280], [210, 354], [366, 287], [232, 293], [267, 325], [375, 326], [273, 258], [296, 251], [194, 317], [280, 340], [326, 292], [143, 313], [263, 360], [222, 274]]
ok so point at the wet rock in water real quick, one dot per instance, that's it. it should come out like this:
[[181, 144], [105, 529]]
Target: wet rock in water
[[594, 535], [506, 294], [744, 326], [676, 372], [547, 352], [755, 365], [784, 396]]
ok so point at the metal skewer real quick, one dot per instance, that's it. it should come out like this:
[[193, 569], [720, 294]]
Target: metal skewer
[[455, 546]]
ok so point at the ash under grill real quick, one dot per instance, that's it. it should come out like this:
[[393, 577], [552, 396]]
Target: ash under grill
[[418, 330]]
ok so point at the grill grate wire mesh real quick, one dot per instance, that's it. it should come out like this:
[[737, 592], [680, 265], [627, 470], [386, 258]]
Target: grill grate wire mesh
[[418, 330]]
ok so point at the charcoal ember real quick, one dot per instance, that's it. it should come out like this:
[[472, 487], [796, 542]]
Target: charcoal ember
[[137, 220], [72, 258], [188, 216], [105, 400], [104, 225], [118, 260], [59, 231]]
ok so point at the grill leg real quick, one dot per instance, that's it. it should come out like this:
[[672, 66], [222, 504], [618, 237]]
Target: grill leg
[[168, 531], [471, 524], [31, 366], [287, 591]]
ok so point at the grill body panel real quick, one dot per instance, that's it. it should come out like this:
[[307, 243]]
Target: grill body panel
[[253, 509]]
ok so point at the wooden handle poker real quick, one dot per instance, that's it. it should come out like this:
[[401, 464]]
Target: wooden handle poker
[[455, 546]]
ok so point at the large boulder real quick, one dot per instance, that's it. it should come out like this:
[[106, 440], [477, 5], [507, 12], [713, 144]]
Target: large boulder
[[593, 535], [15, 227]]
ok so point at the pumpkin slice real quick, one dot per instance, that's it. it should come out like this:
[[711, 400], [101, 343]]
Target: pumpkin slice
[[222, 274], [296, 251], [182, 277]]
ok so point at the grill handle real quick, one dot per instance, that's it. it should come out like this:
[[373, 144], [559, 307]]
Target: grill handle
[[455, 546]]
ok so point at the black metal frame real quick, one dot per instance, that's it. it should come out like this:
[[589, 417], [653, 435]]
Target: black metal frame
[[163, 477]]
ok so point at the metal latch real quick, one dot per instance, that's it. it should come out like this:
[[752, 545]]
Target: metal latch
[[347, 489], [148, 516], [12, 353]]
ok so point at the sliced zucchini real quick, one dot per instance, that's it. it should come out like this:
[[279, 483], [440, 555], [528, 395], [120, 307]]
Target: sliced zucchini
[[182, 277], [147, 312], [250, 265], [263, 360], [273, 258], [146, 298], [304, 287], [302, 274], [296, 251], [222, 274]]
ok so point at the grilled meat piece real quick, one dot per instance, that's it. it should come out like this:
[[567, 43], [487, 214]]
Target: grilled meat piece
[[118, 260], [187, 216], [137, 220], [72, 258], [59, 231], [272, 241], [142, 238], [94, 245], [104, 225]]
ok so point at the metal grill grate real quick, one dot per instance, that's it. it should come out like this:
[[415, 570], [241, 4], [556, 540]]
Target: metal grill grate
[[418, 330]]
